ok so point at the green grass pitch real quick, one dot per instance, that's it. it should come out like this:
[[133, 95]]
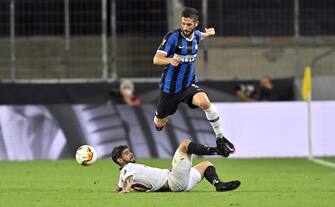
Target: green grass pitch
[[265, 182]]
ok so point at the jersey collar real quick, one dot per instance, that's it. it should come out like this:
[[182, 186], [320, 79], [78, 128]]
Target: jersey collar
[[188, 39]]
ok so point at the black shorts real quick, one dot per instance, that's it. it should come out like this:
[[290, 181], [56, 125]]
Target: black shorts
[[168, 103]]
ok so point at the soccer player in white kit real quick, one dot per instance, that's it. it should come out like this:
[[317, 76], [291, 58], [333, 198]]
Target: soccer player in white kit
[[180, 177]]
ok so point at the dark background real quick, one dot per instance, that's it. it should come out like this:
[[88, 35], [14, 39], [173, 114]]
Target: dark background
[[74, 93], [229, 17]]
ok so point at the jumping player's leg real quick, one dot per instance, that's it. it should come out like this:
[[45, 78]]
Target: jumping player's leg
[[167, 105], [201, 100], [160, 123]]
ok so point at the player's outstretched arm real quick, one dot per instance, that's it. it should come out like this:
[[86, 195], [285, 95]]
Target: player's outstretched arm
[[127, 184], [208, 32]]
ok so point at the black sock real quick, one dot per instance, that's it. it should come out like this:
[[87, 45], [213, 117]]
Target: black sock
[[199, 149], [211, 176]]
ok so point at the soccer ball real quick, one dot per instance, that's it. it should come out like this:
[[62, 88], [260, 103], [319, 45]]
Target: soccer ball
[[86, 155]]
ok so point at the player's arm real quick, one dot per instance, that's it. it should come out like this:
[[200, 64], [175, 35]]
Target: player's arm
[[128, 182], [208, 32], [161, 59], [161, 56]]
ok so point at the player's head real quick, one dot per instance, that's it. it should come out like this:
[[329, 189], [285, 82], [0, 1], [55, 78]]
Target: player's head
[[122, 155], [189, 21]]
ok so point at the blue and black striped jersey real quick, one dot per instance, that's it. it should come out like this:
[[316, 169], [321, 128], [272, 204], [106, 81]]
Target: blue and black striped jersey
[[175, 79]]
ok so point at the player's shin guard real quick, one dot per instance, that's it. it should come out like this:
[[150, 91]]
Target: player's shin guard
[[212, 116], [211, 176], [199, 149]]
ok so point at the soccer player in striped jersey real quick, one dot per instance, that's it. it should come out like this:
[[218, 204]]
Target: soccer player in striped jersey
[[177, 53]]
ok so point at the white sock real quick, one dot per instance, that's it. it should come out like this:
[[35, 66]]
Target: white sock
[[212, 116]]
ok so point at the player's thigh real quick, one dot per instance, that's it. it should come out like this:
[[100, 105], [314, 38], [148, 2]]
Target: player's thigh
[[180, 171], [181, 153], [189, 95], [194, 179], [167, 105]]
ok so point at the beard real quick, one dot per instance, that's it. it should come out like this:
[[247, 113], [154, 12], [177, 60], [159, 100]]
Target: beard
[[131, 161], [187, 33]]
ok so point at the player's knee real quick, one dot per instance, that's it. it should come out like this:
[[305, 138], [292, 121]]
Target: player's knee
[[186, 142], [184, 145], [207, 163], [205, 104], [159, 122]]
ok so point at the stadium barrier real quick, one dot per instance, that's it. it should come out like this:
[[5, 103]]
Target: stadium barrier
[[259, 130], [97, 91]]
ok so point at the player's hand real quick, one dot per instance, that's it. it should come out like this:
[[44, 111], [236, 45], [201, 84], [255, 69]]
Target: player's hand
[[210, 31], [175, 60], [124, 191]]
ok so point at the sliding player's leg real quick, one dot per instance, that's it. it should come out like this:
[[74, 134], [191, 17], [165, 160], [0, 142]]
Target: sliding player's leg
[[206, 169], [180, 168], [183, 177]]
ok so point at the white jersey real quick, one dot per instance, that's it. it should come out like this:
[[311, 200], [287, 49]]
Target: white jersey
[[145, 178]]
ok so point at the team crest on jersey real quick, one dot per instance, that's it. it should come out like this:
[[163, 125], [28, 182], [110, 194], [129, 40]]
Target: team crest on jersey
[[195, 86]]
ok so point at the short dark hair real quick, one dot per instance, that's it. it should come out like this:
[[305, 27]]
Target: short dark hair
[[192, 13], [117, 153]]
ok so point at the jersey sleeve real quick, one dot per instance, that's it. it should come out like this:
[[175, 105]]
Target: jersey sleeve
[[198, 33], [127, 171], [167, 43], [120, 183]]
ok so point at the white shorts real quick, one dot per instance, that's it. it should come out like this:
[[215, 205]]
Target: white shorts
[[182, 176]]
